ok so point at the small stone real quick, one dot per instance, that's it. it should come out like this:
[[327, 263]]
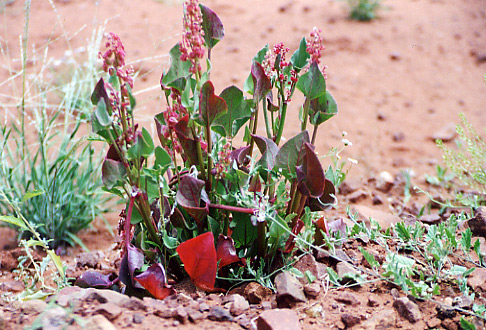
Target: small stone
[[431, 219], [68, 296], [203, 307], [373, 302], [2, 320], [384, 182], [312, 290], [89, 259], [307, 263], [12, 286], [266, 305], [55, 318], [137, 318], [398, 137], [239, 305], [181, 314], [448, 301], [433, 323], [99, 322], [357, 195], [350, 320], [109, 310], [395, 56], [289, 290], [394, 293], [377, 200], [463, 302], [256, 293], [134, 304], [103, 296], [34, 306], [343, 269], [315, 311], [477, 279], [385, 319], [278, 319], [446, 134], [243, 321], [217, 313], [407, 309], [385, 220], [381, 116], [478, 223], [347, 298], [449, 324], [445, 311], [194, 315]]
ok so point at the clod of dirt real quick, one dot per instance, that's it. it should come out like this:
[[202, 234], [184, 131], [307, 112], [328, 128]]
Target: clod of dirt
[[347, 298], [350, 320], [446, 133], [431, 219], [278, 319], [407, 309], [289, 290], [477, 280], [306, 263], [256, 293], [478, 223]]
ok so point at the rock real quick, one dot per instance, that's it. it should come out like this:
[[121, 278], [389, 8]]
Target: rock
[[99, 322], [373, 302], [321, 271], [181, 314], [217, 313], [312, 290], [385, 319], [385, 220], [138, 319], [2, 320], [194, 315], [89, 259], [433, 323], [377, 200], [477, 279], [256, 293], [203, 307], [289, 290], [478, 223], [278, 319], [12, 286], [395, 56], [449, 324], [357, 195], [239, 305], [306, 263], [395, 293], [431, 219], [445, 311], [7, 261], [34, 306], [446, 134], [463, 302], [350, 320], [243, 321], [69, 296], [134, 304], [398, 136], [108, 310], [55, 318], [103, 296], [347, 298], [315, 311], [343, 269], [407, 309]]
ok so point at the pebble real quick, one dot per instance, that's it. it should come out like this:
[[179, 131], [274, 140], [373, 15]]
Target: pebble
[[384, 182], [357, 195], [373, 302], [407, 309], [278, 319], [138, 319], [99, 322], [255, 293], [289, 290], [243, 321], [203, 307], [343, 269], [109, 310], [312, 290], [347, 298], [478, 223], [89, 259], [194, 315], [433, 323], [12, 286], [398, 136], [55, 318], [34, 306], [477, 279], [217, 313], [385, 319], [395, 56], [350, 320], [315, 311], [430, 219], [307, 263], [239, 305], [446, 134]]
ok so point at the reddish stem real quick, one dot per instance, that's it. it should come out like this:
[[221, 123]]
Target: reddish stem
[[233, 208]]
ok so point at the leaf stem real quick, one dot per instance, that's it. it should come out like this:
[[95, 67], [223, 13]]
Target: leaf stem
[[305, 114], [265, 116]]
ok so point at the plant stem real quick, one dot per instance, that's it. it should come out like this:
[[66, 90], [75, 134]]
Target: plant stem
[[200, 158], [144, 209], [261, 244], [314, 134], [305, 114], [254, 127], [209, 183], [233, 208], [265, 116], [293, 189]]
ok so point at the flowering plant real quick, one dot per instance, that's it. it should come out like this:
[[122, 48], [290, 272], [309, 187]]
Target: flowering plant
[[197, 200]]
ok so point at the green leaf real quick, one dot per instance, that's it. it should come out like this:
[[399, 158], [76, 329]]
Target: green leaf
[[101, 114], [309, 276], [297, 273], [178, 72], [162, 160], [212, 27], [268, 149], [28, 195], [300, 57], [369, 258], [244, 233], [113, 173], [466, 325], [322, 109], [333, 276], [312, 84], [143, 146], [288, 156], [170, 242], [14, 221], [259, 57], [239, 112]]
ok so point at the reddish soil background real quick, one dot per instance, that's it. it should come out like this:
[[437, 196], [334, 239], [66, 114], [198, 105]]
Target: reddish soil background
[[398, 80]]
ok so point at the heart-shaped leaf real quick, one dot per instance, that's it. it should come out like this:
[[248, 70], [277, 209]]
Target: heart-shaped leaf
[[186, 139], [212, 27], [155, 282], [100, 93], [131, 262], [268, 149], [310, 175], [312, 84], [322, 109], [288, 156], [248, 86], [198, 255], [178, 72], [244, 233], [240, 155], [211, 106], [321, 228], [261, 83], [113, 171], [94, 279], [225, 251], [239, 112], [326, 201], [189, 196]]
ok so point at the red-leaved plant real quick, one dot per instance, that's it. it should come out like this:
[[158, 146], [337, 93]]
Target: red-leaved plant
[[197, 202]]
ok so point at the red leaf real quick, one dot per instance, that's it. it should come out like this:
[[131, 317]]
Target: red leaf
[[212, 26], [189, 196], [199, 257], [211, 106], [321, 226], [310, 174], [261, 83], [186, 139], [94, 279], [225, 251], [154, 280], [289, 246]]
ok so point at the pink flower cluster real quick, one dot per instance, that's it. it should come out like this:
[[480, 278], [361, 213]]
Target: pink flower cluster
[[276, 72], [192, 45], [315, 47], [172, 116], [224, 157]]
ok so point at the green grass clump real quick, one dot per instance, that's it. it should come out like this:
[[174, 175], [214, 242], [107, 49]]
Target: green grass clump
[[363, 10]]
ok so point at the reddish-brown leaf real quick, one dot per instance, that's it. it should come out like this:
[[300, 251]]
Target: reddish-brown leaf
[[310, 174], [199, 257], [155, 282], [289, 246], [226, 251], [187, 140], [211, 106], [261, 83]]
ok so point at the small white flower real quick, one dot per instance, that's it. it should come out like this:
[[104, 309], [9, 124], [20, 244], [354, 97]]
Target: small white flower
[[346, 142]]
